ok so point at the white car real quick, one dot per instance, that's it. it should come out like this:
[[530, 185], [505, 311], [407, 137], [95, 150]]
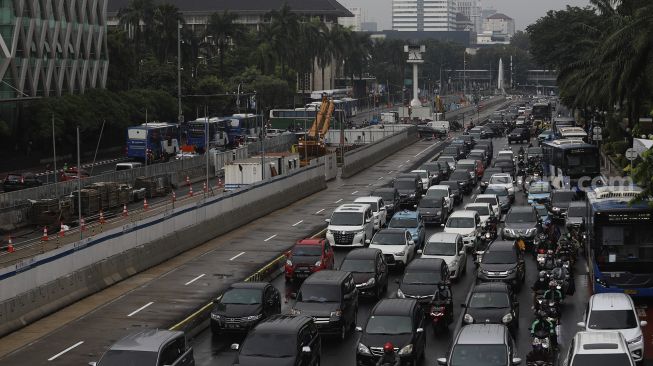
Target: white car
[[442, 191], [507, 153], [484, 210], [350, 225], [449, 160], [450, 248], [378, 210], [504, 179], [467, 224], [616, 312], [397, 246], [493, 200], [425, 177], [588, 347]]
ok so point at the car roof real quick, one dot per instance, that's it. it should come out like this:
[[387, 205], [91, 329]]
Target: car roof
[[368, 199], [391, 230], [501, 245], [577, 204], [394, 307], [478, 204], [326, 277], [363, 253], [496, 186], [444, 237], [487, 195], [282, 324], [405, 213], [253, 285], [491, 287], [439, 186], [467, 161], [502, 175], [482, 334], [425, 265], [352, 207], [149, 340], [464, 213], [599, 342], [310, 241], [521, 209], [611, 301]]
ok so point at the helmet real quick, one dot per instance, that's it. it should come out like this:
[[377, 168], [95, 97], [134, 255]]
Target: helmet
[[388, 348], [558, 262], [541, 314], [542, 275], [441, 286]]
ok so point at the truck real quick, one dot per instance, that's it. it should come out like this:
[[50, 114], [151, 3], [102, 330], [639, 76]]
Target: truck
[[440, 126], [390, 117]]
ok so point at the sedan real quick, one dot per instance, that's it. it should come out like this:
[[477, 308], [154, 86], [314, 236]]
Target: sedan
[[521, 223], [504, 179], [503, 261], [492, 303]]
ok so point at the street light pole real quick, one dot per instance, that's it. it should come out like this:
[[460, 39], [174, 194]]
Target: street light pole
[[179, 116]]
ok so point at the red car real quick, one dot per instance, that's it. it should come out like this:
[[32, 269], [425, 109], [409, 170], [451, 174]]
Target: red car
[[71, 174], [308, 256]]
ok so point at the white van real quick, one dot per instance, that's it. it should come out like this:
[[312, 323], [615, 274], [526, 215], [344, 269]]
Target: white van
[[128, 165], [450, 248], [378, 209], [440, 126], [350, 225], [467, 224]]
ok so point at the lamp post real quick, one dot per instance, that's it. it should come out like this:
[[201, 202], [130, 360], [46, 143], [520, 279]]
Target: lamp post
[[180, 117]]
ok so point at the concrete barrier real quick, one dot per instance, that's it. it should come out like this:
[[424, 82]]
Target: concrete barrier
[[330, 165], [364, 157], [45, 283]]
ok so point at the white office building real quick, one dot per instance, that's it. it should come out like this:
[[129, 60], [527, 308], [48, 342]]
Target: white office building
[[472, 10], [424, 15]]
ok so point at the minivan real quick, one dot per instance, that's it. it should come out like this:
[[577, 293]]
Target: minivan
[[378, 209], [482, 344], [151, 347], [450, 248], [467, 224], [350, 225], [369, 269]]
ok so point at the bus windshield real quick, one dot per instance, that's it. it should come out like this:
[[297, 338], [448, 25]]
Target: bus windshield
[[580, 163]]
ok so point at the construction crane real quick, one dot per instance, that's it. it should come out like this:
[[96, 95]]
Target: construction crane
[[312, 145]]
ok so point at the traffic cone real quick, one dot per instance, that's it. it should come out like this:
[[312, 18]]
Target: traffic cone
[[174, 196], [205, 188], [62, 233], [190, 192], [124, 211], [219, 182], [187, 181], [145, 205], [45, 234], [10, 246], [82, 224], [101, 217]]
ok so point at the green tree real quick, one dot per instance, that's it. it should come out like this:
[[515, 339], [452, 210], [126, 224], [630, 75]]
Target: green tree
[[284, 26], [165, 22], [138, 18], [222, 29]]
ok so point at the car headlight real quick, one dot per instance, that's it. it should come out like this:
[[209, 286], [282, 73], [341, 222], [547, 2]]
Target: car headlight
[[318, 263], [406, 350], [295, 311], [400, 294], [509, 231], [488, 236], [254, 317], [530, 232], [400, 254], [484, 271], [216, 316], [506, 318], [363, 350], [289, 262], [461, 183], [556, 209], [336, 314], [510, 271], [370, 282], [468, 319], [635, 340], [438, 213], [412, 195]]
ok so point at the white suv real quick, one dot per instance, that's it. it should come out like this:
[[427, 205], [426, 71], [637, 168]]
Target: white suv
[[467, 224], [598, 348], [397, 246], [505, 180], [616, 312], [450, 248], [378, 209], [350, 225]]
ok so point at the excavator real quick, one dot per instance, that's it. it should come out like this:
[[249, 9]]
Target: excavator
[[312, 145]]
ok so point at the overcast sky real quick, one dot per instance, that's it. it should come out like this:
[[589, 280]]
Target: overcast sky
[[524, 12]]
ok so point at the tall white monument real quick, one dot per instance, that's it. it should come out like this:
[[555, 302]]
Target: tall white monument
[[415, 58], [500, 77]]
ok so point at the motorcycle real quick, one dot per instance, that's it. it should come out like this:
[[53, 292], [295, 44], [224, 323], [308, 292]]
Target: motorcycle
[[440, 317]]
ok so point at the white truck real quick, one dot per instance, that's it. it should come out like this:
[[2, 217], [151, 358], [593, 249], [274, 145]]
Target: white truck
[[390, 117], [440, 126]]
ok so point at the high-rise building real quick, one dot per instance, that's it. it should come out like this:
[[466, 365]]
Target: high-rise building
[[369, 26], [472, 10], [497, 29], [353, 22], [423, 15]]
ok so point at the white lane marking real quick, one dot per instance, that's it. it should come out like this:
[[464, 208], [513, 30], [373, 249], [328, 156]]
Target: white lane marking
[[390, 172], [408, 161], [380, 178], [297, 223], [270, 238], [400, 165], [66, 350], [139, 309], [354, 192], [236, 256], [338, 201], [421, 152], [317, 213], [194, 279]]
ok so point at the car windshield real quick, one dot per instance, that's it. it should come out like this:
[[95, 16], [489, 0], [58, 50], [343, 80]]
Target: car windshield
[[576, 211], [431, 203], [460, 222], [562, 197], [453, 186], [242, 296], [346, 219], [542, 211], [521, 217], [459, 175], [500, 180], [128, 358], [319, 293], [389, 238], [466, 166], [499, 191], [373, 204], [422, 174], [479, 355], [387, 324], [539, 187], [447, 159], [440, 248], [482, 210], [405, 184], [421, 278], [307, 250], [358, 265], [490, 200], [403, 222], [612, 319], [603, 359], [535, 151], [451, 150], [500, 257], [387, 196], [272, 345], [489, 300], [436, 193]]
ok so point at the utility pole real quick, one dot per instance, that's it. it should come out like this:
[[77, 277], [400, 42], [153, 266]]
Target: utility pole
[[206, 144], [464, 74], [79, 188], [54, 161], [180, 117]]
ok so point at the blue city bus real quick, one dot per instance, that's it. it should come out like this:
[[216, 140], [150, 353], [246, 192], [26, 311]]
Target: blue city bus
[[196, 133], [566, 161], [620, 233], [241, 126], [159, 139]]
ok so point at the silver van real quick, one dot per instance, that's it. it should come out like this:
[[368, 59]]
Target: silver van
[[152, 347], [482, 344]]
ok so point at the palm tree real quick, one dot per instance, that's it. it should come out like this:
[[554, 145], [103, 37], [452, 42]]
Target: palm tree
[[137, 17], [310, 47], [165, 22], [223, 29], [264, 54], [284, 25]]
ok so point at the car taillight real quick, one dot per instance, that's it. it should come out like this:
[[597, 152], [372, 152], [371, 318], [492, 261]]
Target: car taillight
[[437, 310], [541, 251]]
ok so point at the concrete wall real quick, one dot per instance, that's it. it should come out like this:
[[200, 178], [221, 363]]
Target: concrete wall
[[43, 284], [361, 158], [330, 165], [364, 135]]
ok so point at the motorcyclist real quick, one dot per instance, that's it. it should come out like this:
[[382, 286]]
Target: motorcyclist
[[553, 293], [540, 286], [390, 357], [443, 297], [521, 151], [542, 324], [561, 273]]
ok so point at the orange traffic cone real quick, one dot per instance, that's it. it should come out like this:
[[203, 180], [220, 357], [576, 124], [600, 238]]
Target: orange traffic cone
[[145, 205], [45, 234], [101, 217], [205, 188], [10, 246], [124, 211], [82, 224], [190, 192], [174, 196], [62, 233]]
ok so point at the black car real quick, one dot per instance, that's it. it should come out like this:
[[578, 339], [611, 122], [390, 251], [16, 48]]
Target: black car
[[455, 190], [478, 155], [398, 321], [492, 303], [18, 181], [331, 299], [433, 209], [421, 278], [410, 190], [293, 339], [503, 261], [390, 198], [464, 179], [435, 172], [522, 222], [519, 135], [454, 151], [506, 166], [470, 141], [244, 305], [559, 203], [487, 174], [369, 269], [497, 128], [462, 145]]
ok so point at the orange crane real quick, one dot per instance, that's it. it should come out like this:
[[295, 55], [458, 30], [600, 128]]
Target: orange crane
[[312, 145]]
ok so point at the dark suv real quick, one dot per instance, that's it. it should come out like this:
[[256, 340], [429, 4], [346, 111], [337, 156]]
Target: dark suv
[[410, 190], [398, 321], [390, 197], [421, 280], [492, 303], [519, 135], [464, 179], [559, 203], [369, 269], [244, 305], [331, 299], [521, 222], [294, 339], [503, 261], [454, 151]]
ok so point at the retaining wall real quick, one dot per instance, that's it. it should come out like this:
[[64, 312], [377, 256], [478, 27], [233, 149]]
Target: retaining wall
[[43, 284]]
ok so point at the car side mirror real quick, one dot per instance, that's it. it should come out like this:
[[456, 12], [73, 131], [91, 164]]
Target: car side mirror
[[235, 346], [367, 241], [419, 251], [643, 323], [461, 252], [292, 295], [368, 221], [442, 361], [463, 305], [581, 324], [420, 330], [93, 363], [327, 220], [516, 361], [359, 329]]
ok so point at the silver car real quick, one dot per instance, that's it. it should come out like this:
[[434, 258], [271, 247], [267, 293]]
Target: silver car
[[150, 347]]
